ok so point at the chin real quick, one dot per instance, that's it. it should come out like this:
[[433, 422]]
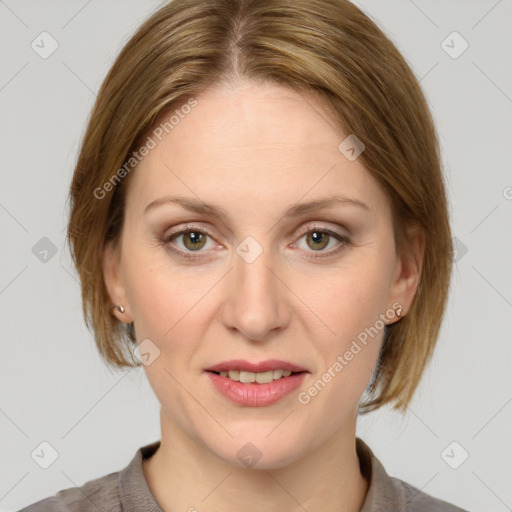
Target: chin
[[258, 450]]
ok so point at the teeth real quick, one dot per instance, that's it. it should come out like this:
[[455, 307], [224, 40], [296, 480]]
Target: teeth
[[264, 377], [260, 377], [278, 374], [234, 375], [247, 377]]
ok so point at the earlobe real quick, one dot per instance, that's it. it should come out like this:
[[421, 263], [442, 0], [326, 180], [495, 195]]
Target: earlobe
[[119, 306]]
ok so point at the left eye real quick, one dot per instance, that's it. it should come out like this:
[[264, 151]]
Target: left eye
[[319, 239]]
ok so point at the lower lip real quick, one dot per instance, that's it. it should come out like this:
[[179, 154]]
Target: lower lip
[[253, 394]]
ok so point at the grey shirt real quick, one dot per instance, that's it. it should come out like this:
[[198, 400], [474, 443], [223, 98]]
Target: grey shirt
[[128, 491]]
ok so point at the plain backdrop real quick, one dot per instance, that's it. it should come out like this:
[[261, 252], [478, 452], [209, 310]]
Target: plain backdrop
[[53, 386]]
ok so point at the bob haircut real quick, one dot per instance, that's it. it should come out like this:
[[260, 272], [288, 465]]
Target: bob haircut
[[326, 48]]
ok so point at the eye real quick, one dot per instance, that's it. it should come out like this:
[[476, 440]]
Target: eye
[[317, 238], [187, 241], [193, 240]]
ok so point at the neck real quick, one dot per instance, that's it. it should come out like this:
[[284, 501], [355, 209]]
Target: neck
[[184, 475]]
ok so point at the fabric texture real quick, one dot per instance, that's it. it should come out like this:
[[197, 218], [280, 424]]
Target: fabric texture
[[128, 491]]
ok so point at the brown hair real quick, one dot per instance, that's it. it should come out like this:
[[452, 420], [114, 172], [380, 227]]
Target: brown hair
[[327, 48]]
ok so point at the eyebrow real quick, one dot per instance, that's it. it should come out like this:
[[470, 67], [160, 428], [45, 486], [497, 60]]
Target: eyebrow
[[217, 211]]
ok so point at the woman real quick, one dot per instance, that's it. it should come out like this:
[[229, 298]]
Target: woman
[[258, 219]]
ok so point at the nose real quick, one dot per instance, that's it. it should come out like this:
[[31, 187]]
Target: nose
[[255, 302]]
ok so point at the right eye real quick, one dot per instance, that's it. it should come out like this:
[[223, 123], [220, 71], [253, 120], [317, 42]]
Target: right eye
[[192, 240]]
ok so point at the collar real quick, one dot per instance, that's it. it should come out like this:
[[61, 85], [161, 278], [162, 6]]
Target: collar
[[382, 492], [132, 486]]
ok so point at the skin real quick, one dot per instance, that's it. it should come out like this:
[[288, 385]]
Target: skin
[[256, 150]]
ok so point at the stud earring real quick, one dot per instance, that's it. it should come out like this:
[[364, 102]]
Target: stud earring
[[398, 311], [119, 307]]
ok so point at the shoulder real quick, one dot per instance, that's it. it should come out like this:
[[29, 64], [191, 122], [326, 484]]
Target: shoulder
[[389, 494], [100, 495], [121, 490], [415, 500]]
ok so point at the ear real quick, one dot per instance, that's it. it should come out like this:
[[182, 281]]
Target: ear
[[114, 283], [408, 271]]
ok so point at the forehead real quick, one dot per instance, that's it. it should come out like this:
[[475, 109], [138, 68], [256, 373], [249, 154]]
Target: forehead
[[261, 141], [251, 118]]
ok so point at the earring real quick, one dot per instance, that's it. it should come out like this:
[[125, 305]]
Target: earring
[[119, 307], [398, 311]]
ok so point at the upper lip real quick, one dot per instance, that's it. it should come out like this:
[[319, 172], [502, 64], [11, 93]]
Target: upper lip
[[262, 366]]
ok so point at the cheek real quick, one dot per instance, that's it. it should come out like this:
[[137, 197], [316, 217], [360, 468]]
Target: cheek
[[353, 305], [168, 309], [352, 299], [347, 356], [352, 350], [161, 294]]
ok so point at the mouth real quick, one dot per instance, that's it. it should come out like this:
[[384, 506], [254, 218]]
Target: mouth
[[242, 370], [247, 377], [256, 384]]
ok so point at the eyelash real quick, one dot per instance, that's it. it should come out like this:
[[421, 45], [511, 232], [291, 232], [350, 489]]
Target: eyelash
[[166, 239]]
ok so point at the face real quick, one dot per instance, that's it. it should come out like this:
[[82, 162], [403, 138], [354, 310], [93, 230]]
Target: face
[[221, 260]]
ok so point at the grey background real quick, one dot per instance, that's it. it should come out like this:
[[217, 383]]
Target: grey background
[[54, 387]]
